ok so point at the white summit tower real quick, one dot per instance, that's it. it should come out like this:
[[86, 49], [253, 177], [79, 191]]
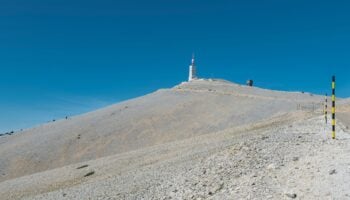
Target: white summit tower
[[193, 71]]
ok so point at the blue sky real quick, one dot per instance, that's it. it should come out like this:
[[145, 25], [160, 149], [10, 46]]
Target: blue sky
[[61, 57]]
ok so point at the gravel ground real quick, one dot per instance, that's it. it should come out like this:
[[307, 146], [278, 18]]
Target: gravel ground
[[208, 139], [187, 110], [286, 157]]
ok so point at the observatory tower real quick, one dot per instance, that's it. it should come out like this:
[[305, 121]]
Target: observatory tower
[[193, 71]]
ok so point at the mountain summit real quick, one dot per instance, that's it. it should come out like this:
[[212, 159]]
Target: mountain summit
[[190, 109], [206, 139]]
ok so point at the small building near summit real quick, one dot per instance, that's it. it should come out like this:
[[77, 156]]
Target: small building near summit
[[250, 83]]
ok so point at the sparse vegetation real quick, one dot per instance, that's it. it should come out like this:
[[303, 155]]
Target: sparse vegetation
[[7, 133]]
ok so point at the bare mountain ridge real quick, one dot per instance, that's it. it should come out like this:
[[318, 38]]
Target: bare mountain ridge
[[190, 109]]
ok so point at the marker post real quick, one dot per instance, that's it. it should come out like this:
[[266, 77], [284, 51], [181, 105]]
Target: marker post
[[333, 107], [326, 109]]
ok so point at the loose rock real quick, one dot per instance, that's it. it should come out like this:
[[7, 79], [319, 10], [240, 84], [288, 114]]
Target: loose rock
[[293, 196], [89, 174], [333, 171]]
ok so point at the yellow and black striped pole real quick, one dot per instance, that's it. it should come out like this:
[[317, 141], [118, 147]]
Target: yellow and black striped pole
[[333, 107], [326, 108]]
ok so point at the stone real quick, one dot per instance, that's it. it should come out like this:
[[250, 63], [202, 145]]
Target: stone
[[333, 171], [83, 166], [89, 174], [271, 166], [292, 196]]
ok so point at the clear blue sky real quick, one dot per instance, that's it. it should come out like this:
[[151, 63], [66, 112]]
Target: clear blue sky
[[65, 57]]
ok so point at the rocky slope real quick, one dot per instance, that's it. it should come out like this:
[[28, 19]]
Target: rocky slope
[[286, 157], [187, 110], [208, 139]]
